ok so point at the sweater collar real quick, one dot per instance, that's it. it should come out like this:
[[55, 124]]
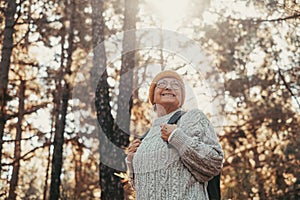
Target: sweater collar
[[164, 118]]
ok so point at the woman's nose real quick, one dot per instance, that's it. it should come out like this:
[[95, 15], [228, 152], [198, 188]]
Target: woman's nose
[[168, 86]]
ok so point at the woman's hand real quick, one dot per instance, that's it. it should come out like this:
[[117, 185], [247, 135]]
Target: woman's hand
[[132, 149], [166, 130]]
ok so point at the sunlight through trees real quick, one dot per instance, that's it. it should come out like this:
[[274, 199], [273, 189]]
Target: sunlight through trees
[[74, 85]]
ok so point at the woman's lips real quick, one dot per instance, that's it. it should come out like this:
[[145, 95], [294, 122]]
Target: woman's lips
[[168, 94]]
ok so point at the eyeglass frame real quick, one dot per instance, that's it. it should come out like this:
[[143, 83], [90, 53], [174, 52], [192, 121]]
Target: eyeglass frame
[[169, 83]]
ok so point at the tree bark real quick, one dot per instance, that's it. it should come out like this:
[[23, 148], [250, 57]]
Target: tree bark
[[111, 137], [17, 152], [7, 48], [78, 170], [57, 158], [62, 107], [111, 187], [128, 63], [48, 167]]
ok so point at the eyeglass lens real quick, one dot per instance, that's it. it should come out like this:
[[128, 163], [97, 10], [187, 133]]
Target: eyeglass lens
[[163, 84]]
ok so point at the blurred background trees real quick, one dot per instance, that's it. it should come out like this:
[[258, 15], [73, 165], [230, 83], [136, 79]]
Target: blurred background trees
[[74, 79]]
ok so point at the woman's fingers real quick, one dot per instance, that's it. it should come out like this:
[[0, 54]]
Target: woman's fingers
[[164, 137], [134, 145], [132, 149], [166, 130], [136, 141]]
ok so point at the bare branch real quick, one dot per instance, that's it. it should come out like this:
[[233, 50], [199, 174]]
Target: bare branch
[[28, 111], [288, 87], [295, 16]]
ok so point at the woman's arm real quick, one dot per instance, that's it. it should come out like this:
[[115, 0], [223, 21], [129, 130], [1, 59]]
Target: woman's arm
[[198, 145], [130, 172], [131, 151]]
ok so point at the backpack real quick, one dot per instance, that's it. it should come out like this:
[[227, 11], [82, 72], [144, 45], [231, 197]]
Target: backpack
[[213, 187]]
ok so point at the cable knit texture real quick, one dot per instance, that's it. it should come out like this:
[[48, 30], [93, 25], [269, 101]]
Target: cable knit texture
[[180, 169]]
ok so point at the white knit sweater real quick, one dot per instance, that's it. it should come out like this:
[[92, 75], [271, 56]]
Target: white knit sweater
[[178, 170]]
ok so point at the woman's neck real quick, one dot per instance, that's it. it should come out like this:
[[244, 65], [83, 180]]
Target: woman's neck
[[163, 110]]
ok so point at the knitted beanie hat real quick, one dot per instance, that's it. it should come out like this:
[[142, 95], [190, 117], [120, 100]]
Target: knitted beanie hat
[[166, 74]]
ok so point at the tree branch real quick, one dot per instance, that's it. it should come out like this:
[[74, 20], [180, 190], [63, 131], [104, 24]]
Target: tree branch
[[28, 111], [288, 87], [295, 16], [257, 20]]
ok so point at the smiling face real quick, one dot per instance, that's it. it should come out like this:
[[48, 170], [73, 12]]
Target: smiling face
[[168, 94]]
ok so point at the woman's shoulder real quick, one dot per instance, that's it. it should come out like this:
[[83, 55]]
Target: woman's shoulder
[[194, 113], [193, 116]]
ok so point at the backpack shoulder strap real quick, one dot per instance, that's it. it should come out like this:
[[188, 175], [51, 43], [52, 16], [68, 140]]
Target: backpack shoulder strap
[[173, 120], [175, 117], [145, 134]]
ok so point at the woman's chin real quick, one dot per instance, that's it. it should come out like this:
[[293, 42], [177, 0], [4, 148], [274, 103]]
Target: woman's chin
[[169, 104]]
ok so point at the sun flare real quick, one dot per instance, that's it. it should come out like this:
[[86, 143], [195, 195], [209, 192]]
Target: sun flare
[[169, 11]]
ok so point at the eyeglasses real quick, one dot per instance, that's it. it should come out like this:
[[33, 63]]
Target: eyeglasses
[[162, 84]]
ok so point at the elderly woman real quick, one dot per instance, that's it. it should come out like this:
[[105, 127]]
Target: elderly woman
[[174, 161]]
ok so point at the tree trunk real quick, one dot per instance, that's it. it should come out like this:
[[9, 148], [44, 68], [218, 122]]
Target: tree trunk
[[17, 152], [5, 64], [58, 136], [57, 157], [111, 137], [111, 154], [62, 107], [77, 154], [128, 63], [48, 166], [111, 187]]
